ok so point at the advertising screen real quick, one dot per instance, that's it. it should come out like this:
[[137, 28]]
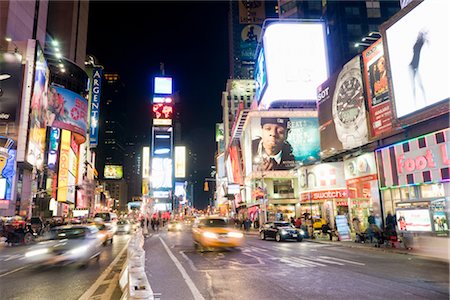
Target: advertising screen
[[67, 110], [10, 85], [7, 167], [163, 85], [251, 14], [413, 220], [162, 111], [145, 162], [260, 75], [377, 89], [342, 111], [180, 161], [63, 174], [296, 62], [96, 89], [53, 148], [282, 143], [161, 173], [418, 48], [113, 172], [236, 165], [38, 111], [250, 35]]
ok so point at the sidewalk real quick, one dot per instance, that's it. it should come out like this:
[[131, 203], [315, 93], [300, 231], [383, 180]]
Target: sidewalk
[[438, 252]]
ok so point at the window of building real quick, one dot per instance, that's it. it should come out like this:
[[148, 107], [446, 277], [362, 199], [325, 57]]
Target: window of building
[[352, 11], [282, 187], [354, 30], [432, 190], [373, 13]]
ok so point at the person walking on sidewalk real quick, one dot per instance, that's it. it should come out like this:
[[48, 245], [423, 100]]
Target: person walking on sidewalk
[[358, 232]]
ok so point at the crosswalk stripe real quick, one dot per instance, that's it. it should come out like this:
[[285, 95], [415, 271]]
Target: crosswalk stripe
[[309, 262], [328, 261], [344, 260], [13, 257]]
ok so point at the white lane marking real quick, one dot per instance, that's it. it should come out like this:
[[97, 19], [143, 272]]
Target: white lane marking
[[327, 261], [344, 260], [190, 262], [102, 277], [307, 262], [13, 257], [13, 271], [195, 292]]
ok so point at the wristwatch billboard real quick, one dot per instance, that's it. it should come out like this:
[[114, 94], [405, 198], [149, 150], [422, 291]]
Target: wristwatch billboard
[[349, 113]]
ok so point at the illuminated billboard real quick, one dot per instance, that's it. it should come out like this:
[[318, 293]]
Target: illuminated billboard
[[96, 89], [162, 141], [63, 173], [162, 111], [161, 173], [68, 110], [113, 172], [342, 110], [180, 161], [377, 89], [11, 78], [296, 62], [53, 148], [160, 99], [260, 75], [282, 143], [38, 111], [417, 47], [7, 167], [163, 85]]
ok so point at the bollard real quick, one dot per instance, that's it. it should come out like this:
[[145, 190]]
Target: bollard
[[139, 287]]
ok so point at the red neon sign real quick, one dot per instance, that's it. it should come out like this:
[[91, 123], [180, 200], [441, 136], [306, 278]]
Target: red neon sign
[[162, 111]]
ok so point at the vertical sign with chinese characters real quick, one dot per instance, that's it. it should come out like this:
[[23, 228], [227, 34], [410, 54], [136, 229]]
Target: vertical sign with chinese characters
[[95, 106]]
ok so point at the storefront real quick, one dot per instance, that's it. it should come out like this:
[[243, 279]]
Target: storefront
[[362, 184], [414, 179], [323, 193]]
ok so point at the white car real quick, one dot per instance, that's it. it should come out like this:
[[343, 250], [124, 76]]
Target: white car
[[67, 245]]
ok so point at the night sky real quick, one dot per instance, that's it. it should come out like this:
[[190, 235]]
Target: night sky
[[191, 38]]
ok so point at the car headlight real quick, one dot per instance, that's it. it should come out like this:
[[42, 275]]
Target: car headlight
[[283, 231], [235, 234], [210, 235], [127, 227], [36, 252], [178, 226], [302, 232], [79, 250]]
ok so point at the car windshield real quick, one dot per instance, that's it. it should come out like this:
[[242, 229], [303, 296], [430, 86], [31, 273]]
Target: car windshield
[[104, 216], [283, 224], [35, 221], [214, 223], [68, 233]]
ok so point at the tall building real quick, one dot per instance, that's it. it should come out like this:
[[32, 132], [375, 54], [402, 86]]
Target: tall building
[[133, 166]]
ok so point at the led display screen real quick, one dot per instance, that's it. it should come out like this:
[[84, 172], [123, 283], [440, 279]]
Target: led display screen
[[145, 162], [162, 111], [163, 85], [10, 85], [7, 167], [281, 143], [180, 161], [63, 174], [113, 172], [161, 173], [418, 48], [296, 62]]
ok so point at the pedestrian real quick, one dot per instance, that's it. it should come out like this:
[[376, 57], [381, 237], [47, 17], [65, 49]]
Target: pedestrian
[[298, 223], [256, 223], [292, 221], [326, 230], [359, 237]]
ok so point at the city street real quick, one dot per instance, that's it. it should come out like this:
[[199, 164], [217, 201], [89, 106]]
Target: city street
[[21, 281], [288, 270]]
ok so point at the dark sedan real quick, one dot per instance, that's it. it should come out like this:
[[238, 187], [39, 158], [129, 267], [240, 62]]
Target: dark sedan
[[281, 231]]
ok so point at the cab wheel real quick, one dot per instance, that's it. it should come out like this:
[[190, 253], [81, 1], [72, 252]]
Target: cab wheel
[[278, 237], [262, 235], [299, 239]]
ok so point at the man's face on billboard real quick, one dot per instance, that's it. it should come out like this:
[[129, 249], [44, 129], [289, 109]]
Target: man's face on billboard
[[273, 136]]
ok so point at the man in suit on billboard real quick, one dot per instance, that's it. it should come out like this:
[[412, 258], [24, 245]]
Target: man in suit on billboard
[[272, 151]]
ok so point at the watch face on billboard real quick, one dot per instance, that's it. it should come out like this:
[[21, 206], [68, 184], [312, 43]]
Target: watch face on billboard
[[342, 112], [163, 85], [418, 48]]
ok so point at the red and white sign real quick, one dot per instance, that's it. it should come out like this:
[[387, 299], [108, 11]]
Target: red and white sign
[[360, 169], [322, 176], [424, 159], [323, 195]]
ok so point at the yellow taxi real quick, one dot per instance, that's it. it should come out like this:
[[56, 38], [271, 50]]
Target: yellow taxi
[[215, 232], [105, 230], [318, 223]]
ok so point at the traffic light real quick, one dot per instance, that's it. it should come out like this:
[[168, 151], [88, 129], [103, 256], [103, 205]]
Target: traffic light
[[206, 186]]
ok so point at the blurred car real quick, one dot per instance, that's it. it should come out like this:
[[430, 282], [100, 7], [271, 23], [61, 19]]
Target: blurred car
[[318, 223], [124, 226], [280, 231], [108, 217], [174, 226], [189, 221], [106, 232], [37, 225], [67, 245], [216, 232]]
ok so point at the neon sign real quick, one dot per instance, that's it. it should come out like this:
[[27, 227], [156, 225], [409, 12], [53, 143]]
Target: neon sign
[[162, 111]]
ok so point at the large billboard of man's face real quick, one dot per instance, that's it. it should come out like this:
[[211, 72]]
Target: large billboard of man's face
[[281, 143], [418, 48]]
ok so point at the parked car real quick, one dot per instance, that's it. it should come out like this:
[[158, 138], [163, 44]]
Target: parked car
[[215, 232], [318, 223], [124, 226], [280, 231], [67, 245]]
